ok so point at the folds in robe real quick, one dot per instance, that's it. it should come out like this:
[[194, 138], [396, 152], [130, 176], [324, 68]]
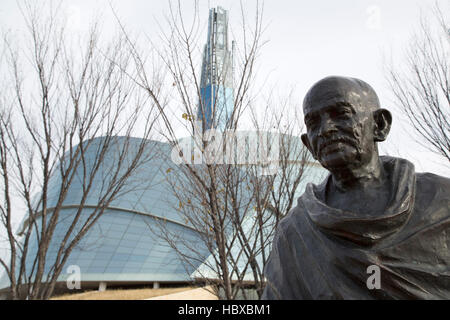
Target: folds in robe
[[320, 252]]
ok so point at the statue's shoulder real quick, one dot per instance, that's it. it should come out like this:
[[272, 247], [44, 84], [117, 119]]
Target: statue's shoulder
[[429, 186], [433, 193], [297, 217], [433, 183], [293, 219], [433, 179]]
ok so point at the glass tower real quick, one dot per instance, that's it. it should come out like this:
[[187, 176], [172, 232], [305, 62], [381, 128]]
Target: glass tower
[[216, 87]]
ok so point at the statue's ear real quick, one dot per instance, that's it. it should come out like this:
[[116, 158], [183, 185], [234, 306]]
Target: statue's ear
[[305, 141], [383, 121]]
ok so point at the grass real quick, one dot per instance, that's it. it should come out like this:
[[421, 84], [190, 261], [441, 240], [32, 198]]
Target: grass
[[121, 294]]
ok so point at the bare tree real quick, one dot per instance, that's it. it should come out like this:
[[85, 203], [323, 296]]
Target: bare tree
[[422, 88], [67, 116], [223, 194]]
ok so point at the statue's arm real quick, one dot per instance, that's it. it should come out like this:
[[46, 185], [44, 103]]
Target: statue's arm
[[282, 270], [274, 272], [272, 275]]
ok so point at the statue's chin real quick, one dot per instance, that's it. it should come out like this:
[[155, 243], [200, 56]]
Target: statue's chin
[[340, 158]]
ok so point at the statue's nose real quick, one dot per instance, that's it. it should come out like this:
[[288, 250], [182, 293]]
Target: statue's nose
[[327, 128]]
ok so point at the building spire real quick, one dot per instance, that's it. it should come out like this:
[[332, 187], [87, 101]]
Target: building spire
[[216, 85]]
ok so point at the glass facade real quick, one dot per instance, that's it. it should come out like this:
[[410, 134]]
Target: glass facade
[[126, 244], [123, 246]]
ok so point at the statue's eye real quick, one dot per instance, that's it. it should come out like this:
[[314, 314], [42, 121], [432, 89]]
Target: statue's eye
[[311, 123], [342, 113]]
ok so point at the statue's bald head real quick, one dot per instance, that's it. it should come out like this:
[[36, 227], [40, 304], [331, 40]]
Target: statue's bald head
[[344, 121], [341, 89]]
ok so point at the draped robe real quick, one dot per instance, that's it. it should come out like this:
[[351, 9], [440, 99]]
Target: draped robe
[[320, 252]]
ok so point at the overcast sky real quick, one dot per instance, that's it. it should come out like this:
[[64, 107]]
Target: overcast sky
[[307, 40]]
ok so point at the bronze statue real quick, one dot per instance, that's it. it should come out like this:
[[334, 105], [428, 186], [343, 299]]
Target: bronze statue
[[371, 214]]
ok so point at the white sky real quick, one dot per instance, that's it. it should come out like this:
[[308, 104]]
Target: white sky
[[308, 40]]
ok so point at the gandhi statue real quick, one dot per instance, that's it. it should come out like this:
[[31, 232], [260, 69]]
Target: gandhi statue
[[374, 228]]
